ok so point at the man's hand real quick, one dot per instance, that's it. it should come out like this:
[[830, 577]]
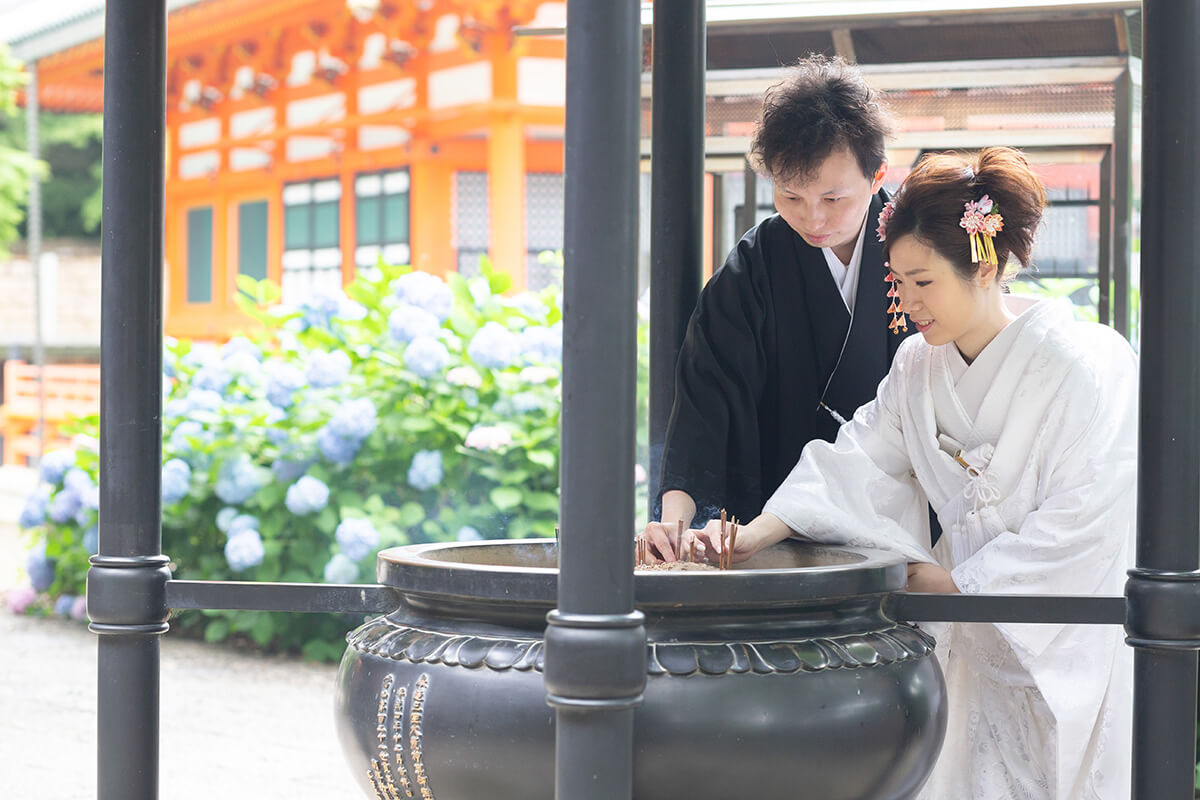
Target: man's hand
[[930, 578]]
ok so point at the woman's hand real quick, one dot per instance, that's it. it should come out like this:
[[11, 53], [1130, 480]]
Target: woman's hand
[[662, 541], [929, 578]]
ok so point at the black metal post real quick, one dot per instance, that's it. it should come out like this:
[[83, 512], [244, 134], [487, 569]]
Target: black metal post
[[1164, 590], [1122, 199], [676, 203], [595, 662], [749, 200], [1104, 255], [128, 578]]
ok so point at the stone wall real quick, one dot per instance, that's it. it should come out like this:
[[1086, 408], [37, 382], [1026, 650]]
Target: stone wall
[[71, 298]]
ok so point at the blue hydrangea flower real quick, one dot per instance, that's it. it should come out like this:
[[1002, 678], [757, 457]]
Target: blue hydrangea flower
[[213, 377], [425, 291], [529, 304], [200, 355], [426, 356], [240, 345], [33, 513], [55, 464], [409, 322], [40, 568], [351, 310], [204, 400], [91, 540], [77, 481], [426, 470], [320, 308], [282, 382], [239, 478], [338, 450], [64, 506], [494, 346], [357, 538], [186, 431], [178, 407], [355, 419], [244, 550], [277, 434], [328, 369], [64, 604], [288, 470], [84, 516], [307, 496], [176, 479], [242, 364], [541, 345], [341, 569], [525, 402], [242, 522], [468, 534], [224, 517]]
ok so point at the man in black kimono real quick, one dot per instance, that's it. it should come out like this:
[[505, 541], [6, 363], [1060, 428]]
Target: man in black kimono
[[792, 334]]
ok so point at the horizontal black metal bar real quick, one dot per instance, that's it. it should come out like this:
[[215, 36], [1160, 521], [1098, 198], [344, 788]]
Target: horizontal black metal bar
[[307, 598], [1047, 608]]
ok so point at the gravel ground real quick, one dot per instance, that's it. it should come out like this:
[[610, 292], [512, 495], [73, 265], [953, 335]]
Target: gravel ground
[[233, 724]]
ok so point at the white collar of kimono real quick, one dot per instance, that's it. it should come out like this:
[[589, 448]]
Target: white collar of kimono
[[845, 276]]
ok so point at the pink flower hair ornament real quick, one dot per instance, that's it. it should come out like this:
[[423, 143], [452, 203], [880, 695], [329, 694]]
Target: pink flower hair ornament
[[982, 222], [889, 208]]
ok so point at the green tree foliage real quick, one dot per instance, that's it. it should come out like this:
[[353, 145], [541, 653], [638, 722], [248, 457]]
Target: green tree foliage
[[16, 166]]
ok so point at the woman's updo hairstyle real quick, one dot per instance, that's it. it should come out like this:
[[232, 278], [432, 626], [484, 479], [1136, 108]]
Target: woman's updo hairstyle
[[931, 201]]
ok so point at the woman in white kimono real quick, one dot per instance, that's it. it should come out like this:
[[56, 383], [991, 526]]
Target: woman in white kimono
[[1018, 425]]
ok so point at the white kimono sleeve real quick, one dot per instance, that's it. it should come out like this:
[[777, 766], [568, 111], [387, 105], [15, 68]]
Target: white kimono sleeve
[[860, 490], [1078, 538]]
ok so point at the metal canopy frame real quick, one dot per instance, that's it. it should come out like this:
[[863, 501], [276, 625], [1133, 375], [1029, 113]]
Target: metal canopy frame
[[595, 665]]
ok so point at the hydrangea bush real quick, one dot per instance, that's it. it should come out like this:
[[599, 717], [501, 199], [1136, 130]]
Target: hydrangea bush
[[407, 409]]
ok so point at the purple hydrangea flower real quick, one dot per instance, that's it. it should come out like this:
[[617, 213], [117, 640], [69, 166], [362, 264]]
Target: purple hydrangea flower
[[425, 291], [244, 550], [79, 609], [282, 382], [176, 479], [62, 606], [357, 538], [426, 356], [307, 496], [328, 369], [239, 478], [55, 464], [410, 322], [494, 346], [33, 513], [64, 506], [40, 568], [426, 470], [341, 569], [20, 599]]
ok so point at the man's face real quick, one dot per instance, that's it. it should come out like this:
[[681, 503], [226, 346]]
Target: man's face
[[828, 209]]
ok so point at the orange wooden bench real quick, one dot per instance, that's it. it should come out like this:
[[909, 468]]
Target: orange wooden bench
[[72, 390]]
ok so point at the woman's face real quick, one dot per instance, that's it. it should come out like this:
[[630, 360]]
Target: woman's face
[[944, 307]]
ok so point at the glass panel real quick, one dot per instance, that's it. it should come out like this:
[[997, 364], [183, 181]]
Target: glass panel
[[297, 227], [367, 220], [395, 219], [325, 224], [199, 254], [252, 239]]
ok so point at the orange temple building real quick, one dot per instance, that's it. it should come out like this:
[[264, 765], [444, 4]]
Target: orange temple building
[[307, 139]]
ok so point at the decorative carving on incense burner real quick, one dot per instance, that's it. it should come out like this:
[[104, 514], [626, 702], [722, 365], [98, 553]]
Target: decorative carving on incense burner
[[383, 775], [387, 639]]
